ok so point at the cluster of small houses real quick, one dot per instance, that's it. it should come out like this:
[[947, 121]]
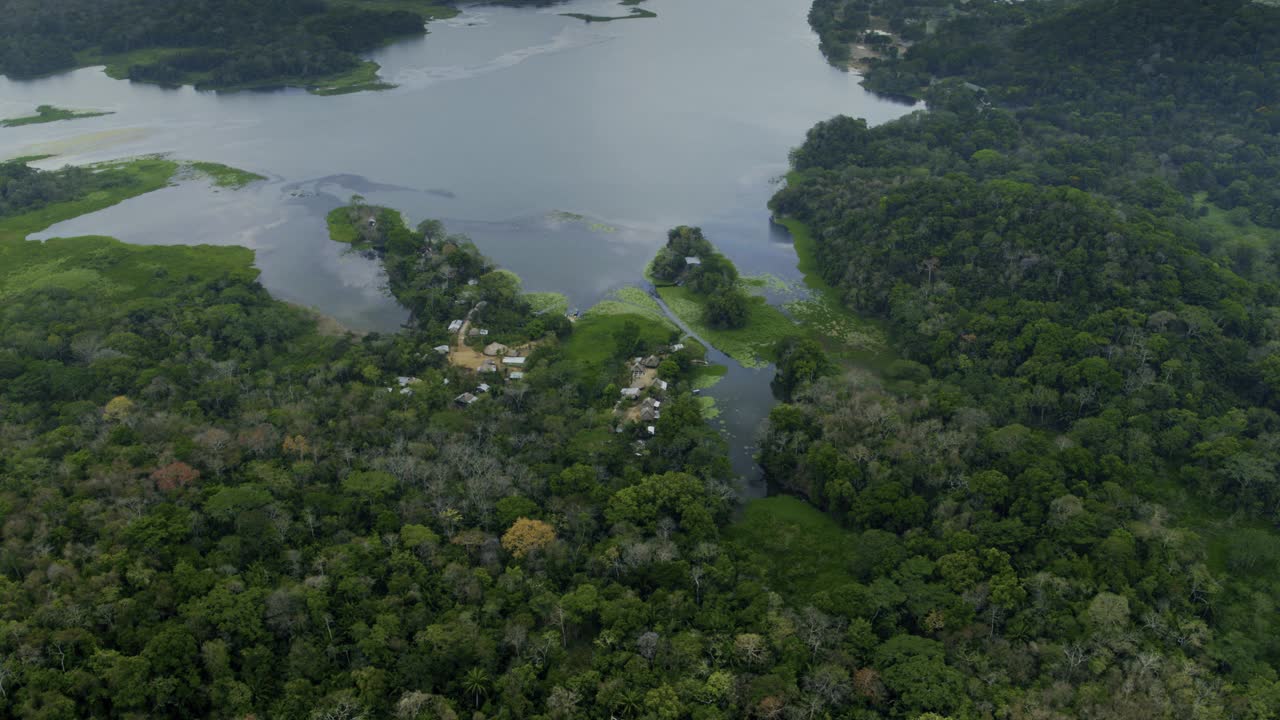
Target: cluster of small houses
[[648, 412], [495, 353], [650, 408]]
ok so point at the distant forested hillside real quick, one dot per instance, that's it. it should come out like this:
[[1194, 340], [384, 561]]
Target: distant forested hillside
[[1075, 250]]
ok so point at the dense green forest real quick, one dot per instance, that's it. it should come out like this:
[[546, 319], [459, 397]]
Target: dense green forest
[[1073, 251], [213, 43], [213, 510], [1059, 499]]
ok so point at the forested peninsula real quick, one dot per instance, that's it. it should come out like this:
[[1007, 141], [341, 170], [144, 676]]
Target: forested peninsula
[[218, 44]]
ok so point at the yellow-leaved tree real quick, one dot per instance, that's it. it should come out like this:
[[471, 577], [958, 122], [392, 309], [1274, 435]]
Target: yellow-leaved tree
[[527, 535], [118, 408]]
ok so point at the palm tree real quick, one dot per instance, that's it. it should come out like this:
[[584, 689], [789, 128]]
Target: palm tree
[[629, 702], [476, 681]]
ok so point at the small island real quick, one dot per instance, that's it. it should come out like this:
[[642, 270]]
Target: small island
[[636, 14], [51, 113]]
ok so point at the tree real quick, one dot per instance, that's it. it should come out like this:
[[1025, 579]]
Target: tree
[[174, 476], [118, 409], [728, 309], [801, 361], [914, 670], [476, 682], [526, 536], [663, 703], [1109, 612], [374, 485]]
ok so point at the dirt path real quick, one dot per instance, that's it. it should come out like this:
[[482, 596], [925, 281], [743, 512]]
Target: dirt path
[[645, 379], [464, 356]]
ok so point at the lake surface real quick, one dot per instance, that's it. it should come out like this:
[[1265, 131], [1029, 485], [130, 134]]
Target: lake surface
[[505, 120]]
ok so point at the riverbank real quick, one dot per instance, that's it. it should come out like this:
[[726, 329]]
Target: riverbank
[[845, 335]]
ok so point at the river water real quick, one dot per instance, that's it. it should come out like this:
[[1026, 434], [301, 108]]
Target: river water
[[508, 124]]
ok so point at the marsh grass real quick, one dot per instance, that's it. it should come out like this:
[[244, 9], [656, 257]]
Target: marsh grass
[[49, 113]]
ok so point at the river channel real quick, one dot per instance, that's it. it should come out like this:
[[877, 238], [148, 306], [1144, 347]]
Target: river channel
[[565, 149]]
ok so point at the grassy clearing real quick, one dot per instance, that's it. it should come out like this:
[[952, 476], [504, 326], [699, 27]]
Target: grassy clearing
[[113, 268], [751, 346], [802, 550], [133, 177], [636, 14], [341, 229], [1233, 226], [640, 299], [359, 79], [349, 224], [49, 113], [631, 301], [136, 177], [593, 345], [551, 303], [106, 265], [224, 176]]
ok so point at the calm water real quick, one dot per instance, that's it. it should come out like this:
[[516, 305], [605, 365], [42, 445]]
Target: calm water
[[504, 119]]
